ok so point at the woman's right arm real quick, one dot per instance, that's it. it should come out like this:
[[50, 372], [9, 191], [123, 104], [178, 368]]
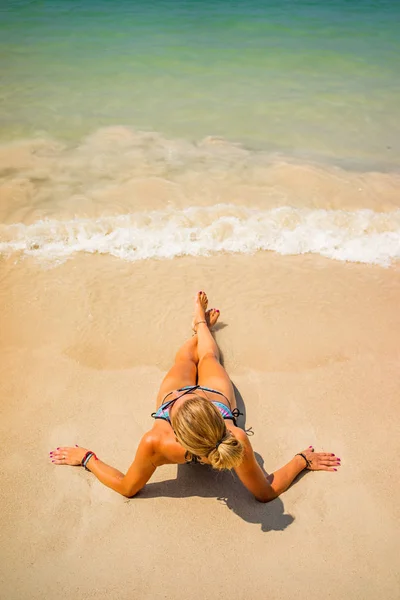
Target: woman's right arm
[[137, 475], [127, 484]]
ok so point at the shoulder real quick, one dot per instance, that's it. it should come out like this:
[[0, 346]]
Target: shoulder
[[240, 435], [160, 446], [248, 457], [152, 439], [148, 451], [148, 445]]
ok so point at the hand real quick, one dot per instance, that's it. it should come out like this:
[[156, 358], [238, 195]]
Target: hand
[[68, 456], [320, 461]]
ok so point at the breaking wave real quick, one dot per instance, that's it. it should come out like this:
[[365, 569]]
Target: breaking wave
[[362, 236]]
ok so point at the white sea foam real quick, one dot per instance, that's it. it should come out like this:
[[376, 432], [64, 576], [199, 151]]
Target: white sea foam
[[360, 236]]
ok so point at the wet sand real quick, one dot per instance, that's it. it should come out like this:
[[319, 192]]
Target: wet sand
[[312, 348]]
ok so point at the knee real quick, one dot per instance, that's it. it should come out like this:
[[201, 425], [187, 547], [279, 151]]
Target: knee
[[187, 357], [209, 355]]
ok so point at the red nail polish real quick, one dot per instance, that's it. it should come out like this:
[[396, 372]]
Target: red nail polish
[[332, 454], [58, 448], [335, 469], [53, 461]]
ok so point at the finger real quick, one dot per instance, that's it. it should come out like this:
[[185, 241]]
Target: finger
[[57, 453], [327, 456], [328, 464], [327, 469], [59, 456], [329, 459], [58, 461]]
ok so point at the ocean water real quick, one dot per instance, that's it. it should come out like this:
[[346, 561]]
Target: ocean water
[[119, 109]]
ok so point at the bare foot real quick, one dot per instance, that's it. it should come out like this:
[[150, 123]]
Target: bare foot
[[200, 307], [212, 317], [201, 314]]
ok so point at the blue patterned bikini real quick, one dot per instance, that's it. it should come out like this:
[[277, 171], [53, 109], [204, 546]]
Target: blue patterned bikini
[[224, 409]]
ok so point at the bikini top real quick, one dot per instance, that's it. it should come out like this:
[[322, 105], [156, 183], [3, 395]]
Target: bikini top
[[225, 410]]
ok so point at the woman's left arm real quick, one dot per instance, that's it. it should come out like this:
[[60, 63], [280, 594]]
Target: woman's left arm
[[268, 487], [128, 485]]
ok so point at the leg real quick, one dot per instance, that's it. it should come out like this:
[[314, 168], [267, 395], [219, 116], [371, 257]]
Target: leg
[[183, 372], [210, 371]]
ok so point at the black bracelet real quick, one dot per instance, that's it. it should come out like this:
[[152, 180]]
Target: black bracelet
[[308, 463]]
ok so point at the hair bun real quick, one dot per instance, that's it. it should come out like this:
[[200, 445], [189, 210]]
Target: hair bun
[[227, 453]]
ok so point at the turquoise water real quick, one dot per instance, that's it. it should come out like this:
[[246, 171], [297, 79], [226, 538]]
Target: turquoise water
[[312, 79], [168, 128]]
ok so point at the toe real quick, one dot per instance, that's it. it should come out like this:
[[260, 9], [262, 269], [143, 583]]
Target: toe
[[214, 314], [203, 299]]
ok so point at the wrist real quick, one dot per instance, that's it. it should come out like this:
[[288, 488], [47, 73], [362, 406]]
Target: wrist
[[301, 462], [87, 458], [90, 460]]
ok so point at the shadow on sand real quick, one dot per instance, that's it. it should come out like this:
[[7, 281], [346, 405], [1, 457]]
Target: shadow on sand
[[201, 480]]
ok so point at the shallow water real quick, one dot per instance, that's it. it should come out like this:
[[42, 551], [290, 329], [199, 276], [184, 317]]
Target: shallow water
[[140, 196], [240, 112], [310, 79]]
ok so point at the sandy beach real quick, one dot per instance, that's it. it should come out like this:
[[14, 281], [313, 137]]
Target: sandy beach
[[312, 348]]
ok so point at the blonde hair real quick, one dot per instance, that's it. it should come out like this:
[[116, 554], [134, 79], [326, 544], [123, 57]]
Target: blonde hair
[[200, 428]]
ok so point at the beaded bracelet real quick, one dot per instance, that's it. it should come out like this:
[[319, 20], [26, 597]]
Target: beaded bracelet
[[86, 459]]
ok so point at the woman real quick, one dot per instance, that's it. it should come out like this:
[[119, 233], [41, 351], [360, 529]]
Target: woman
[[195, 421]]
